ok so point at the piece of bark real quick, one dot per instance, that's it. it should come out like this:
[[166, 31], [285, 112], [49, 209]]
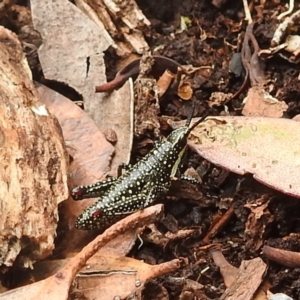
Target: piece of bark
[[249, 277], [33, 178]]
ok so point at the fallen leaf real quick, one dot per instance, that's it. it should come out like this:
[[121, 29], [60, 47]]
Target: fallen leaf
[[91, 156], [248, 279], [266, 147], [90, 151], [72, 53], [259, 103], [258, 219], [109, 277]]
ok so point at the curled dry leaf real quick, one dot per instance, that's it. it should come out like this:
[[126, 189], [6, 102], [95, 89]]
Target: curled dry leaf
[[185, 91], [268, 148]]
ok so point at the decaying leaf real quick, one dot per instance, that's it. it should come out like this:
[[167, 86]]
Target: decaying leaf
[[90, 151], [268, 148], [244, 282], [257, 222], [91, 156], [108, 277], [260, 103], [72, 53]]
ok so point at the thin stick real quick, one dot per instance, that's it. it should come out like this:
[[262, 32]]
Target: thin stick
[[247, 12], [291, 8]]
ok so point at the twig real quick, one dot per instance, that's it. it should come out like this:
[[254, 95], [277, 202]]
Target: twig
[[281, 29], [247, 12], [291, 8]]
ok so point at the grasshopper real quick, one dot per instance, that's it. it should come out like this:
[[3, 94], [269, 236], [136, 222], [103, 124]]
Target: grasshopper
[[139, 187]]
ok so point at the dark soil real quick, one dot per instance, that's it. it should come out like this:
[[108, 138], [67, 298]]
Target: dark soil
[[223, 28]]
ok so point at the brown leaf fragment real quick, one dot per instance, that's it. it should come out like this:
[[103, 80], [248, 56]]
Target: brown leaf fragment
[[228, 271], [108, 277], [33, 163], [249, 277], [260, 103], [187, 190], [185, 91], [86, 144], [257, 221]]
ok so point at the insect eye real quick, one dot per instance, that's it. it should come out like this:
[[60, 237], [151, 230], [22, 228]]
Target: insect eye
[[96, 213], [77, 193]]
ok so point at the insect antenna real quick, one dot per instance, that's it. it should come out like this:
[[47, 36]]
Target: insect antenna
[[196, 123], [190, 116]]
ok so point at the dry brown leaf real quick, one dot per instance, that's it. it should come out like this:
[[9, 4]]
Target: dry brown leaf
[[118, 246], [91, 156], [72, 52], [268, 148], [257, 221], [109, 277], [259, 103], [90, 151], [249, 277]]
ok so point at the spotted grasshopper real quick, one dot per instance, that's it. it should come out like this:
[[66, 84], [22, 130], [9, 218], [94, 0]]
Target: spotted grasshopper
[[142, 184]]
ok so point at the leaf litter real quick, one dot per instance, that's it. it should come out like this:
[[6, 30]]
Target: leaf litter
[[262, 213]]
